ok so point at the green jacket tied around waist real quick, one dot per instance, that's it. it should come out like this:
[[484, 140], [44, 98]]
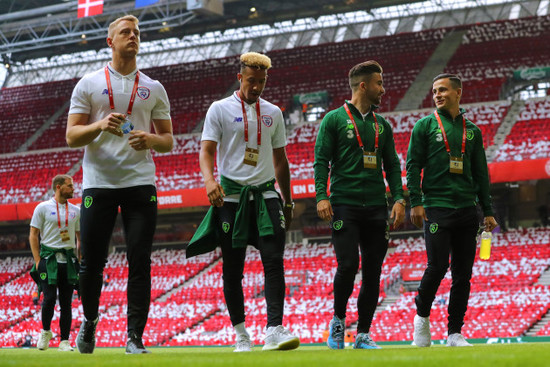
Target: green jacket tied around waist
[[48, 254], [207, 237]]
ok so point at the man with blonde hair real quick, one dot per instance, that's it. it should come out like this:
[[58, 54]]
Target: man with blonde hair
[[247, 134], [112, 110]]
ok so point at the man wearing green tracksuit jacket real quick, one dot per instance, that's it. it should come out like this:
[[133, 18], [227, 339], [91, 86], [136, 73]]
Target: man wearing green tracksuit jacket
[[449, 149], [354, 144]]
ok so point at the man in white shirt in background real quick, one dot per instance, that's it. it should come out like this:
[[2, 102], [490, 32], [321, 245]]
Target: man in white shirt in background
[[54, 237], [111, 113]]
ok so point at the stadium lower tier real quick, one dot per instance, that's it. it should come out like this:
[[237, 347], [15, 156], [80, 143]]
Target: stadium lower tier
[[188, 307]]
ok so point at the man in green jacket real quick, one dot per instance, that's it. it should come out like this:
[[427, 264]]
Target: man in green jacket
[[354, 144], [449, 149]]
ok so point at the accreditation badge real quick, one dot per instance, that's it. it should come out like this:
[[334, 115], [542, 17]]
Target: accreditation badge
[[369, 160], [64, 235], [456, 165], [251, 156]]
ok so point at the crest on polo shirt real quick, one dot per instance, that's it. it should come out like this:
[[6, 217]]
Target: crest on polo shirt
[[143, 92], [267, 120], [469, 134]]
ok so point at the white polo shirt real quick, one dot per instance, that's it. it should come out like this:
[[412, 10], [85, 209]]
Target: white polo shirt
[[224, 125], [45, 219], [109, 161]]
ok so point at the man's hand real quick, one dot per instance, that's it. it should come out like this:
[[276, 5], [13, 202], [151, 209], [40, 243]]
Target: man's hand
[[490, 223], [324, 210], [111, 123], [215, 192], [418, 216], [140, 140], [397, 214], [288, 212]]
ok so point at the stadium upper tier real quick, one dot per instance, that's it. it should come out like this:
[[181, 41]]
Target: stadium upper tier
[[486, 58]]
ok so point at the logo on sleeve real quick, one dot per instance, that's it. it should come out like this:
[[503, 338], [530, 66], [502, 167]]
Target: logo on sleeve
[[469, 134], [143, 92], [267, 120]]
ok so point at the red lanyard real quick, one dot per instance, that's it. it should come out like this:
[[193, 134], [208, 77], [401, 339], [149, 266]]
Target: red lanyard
[[245, 121], [110, 89], [66, 215], [445, 135], [357, 131]]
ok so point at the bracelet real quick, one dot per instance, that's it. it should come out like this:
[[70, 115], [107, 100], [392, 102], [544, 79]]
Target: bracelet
[[289, 205], [402, 202]]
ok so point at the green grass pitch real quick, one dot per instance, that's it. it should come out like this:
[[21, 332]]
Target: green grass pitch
[[494, 355]]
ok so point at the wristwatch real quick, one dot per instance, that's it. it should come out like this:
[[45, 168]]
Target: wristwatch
[[289, 205], [402, 202]]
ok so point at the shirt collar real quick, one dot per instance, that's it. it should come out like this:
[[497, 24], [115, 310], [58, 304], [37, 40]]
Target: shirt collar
[[117, 75], [238, 98]]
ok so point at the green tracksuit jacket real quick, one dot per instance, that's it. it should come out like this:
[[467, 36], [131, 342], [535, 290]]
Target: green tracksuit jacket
[[441, 188], [350, 182]]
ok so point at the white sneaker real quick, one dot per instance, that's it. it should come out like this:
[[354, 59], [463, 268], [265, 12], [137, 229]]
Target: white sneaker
[[65, 346], [279, 338], [44, 339], [457, 340], [422, 336], [243, 344]]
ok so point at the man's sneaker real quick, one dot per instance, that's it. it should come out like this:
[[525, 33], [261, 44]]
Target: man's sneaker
[[279, 338], [44, 339], [65, 346], [243, 344], [135, 345], [457, 340], [364, 341], [337, 331], [422, 336], [85, 340]]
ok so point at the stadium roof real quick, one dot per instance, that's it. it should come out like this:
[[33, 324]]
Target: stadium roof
[[41, 28]]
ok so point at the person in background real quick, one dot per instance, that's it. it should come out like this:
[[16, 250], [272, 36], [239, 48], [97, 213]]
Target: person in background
[[54, 237]]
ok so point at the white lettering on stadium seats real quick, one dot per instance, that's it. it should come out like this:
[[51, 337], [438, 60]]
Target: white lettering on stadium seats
[[171, 199]]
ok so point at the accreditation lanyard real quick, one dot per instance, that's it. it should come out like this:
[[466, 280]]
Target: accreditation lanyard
[[445, 135], [245, 121], [66, 215], [110, 90], [357, 130]]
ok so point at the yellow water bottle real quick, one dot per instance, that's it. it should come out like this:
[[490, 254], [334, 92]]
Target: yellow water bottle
[[485, 248]]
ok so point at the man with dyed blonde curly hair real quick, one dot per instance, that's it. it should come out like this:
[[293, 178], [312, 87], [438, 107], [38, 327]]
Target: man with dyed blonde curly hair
[[248, 135]]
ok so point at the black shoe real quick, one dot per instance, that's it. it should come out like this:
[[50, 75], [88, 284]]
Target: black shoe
[[85, 340], [135, 345]]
